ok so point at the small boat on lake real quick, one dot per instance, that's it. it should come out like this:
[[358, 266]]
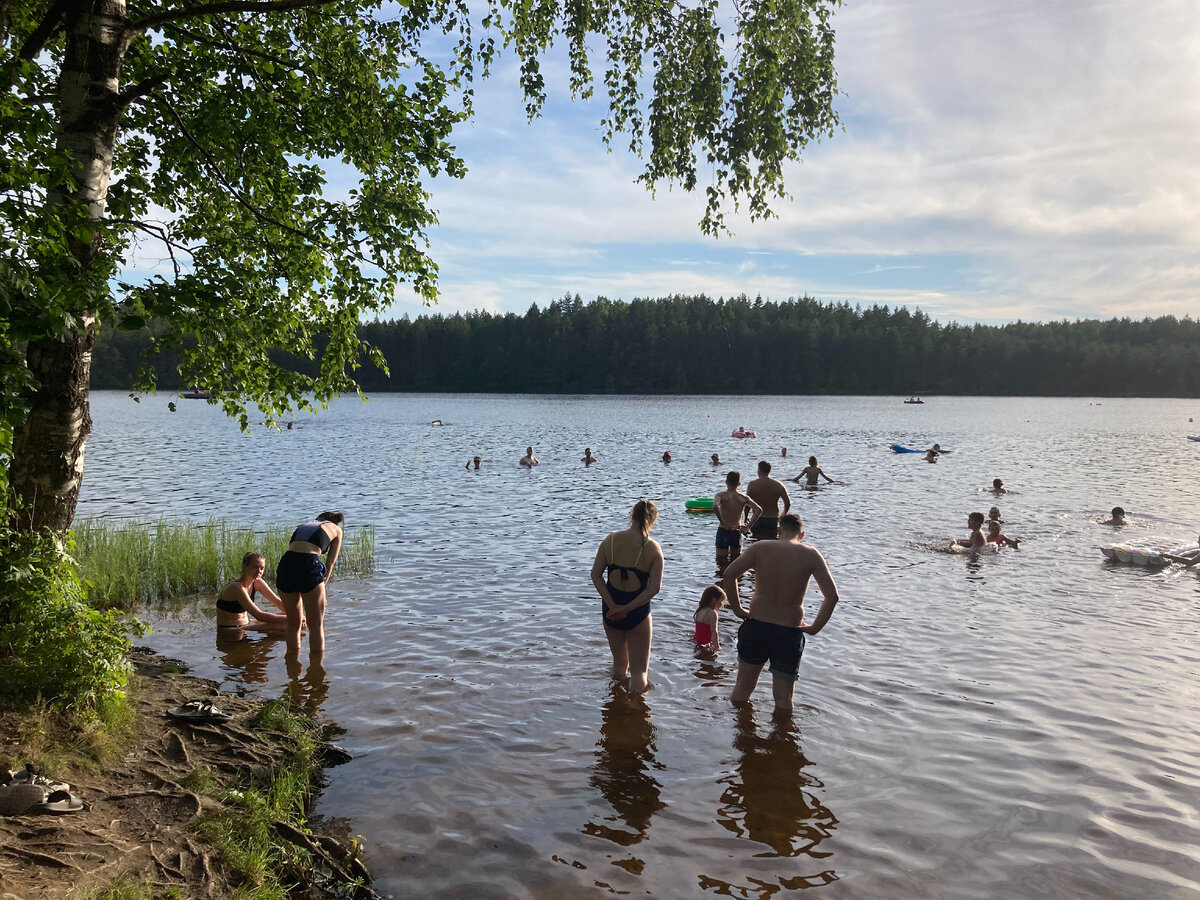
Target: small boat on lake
[[197, 394], [914, 400]]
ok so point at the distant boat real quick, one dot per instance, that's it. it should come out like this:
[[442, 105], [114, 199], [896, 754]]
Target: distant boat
[[914, 400], [197, 394]]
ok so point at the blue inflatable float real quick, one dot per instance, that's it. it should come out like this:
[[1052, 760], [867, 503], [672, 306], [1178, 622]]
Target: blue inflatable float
[[900, 449]]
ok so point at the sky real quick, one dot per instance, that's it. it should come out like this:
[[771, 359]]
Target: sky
[[1000, 160]]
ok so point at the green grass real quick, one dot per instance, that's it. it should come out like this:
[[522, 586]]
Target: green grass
[[129, 890], [131, 562]]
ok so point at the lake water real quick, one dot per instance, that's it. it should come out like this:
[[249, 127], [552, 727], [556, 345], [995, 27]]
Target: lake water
[[1021, 725]]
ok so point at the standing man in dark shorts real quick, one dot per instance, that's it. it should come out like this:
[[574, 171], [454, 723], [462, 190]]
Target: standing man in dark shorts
[[729, 505], [767, 492], [775, 629]]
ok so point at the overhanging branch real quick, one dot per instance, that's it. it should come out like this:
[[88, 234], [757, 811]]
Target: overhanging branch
[[264, 7]]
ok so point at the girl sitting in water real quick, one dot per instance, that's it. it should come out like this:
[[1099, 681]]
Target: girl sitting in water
[[706, 637], [235, 603]]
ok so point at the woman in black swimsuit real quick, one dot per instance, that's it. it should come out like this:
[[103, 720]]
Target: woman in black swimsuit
[[235, 603], [627, 573], [301, 575]]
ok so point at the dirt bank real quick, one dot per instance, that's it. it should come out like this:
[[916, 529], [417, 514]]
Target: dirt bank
[[137, 819]]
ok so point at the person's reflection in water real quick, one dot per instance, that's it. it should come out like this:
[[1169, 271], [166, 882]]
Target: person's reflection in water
[[622, 771], [307, 688], [248, 651], [770, 799]]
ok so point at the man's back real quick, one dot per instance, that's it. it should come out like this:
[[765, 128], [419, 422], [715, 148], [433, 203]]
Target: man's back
[[767, 493], [728, 506], [782, 570]]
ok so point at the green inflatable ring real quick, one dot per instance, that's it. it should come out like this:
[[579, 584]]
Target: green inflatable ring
[[700, 504]]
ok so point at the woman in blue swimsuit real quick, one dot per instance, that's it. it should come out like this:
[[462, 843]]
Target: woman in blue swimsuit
[[627, 573], [301, 576]]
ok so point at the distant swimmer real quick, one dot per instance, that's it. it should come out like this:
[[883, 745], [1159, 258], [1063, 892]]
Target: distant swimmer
[[995, 537], [975, 541], [437, 422], [768, 493], [998, 486], [811, 472], [627, 573], [994, 515], [529, 460], [1117, 518], [666, 457], [477, 461], [783, 451], [729, 505], [588, 459], [775, 629], [716, 460], [931, 455]]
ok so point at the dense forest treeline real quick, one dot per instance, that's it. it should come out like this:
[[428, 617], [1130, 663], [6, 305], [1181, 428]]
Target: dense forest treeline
[[696, 345]]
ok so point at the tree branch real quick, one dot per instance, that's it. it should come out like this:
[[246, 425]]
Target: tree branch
[[39, 37], [265, 7]]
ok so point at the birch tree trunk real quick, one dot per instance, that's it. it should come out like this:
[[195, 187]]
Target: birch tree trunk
[[48, 450]]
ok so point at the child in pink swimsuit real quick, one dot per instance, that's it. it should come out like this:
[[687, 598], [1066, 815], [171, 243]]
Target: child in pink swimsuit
[[707, 637]]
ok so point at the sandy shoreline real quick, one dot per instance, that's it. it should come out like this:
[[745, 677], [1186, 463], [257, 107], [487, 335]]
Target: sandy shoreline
[[138, 818]]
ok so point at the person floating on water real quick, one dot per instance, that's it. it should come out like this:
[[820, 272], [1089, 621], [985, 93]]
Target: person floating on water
[[706, 637], [1187, 558], [783, 451], [768, 493], [529, 460], [588, 459], [975, 541], [716, 460], [477, 461], [666, 457], [774, 629], [811, 473], [995, 537], [1117, 517], [729, 505]]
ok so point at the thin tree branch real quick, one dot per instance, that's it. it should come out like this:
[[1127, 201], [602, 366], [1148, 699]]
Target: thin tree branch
[[134, 93], [234, 47], [265, 7]]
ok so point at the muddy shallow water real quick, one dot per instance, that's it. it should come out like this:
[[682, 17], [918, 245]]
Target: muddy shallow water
[[1020, 725]]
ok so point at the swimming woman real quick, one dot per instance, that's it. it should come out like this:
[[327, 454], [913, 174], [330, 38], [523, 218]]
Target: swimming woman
[[301, 577], [627, 573], [235, 603]]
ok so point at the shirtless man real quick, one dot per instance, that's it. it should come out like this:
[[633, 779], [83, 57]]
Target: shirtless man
[[775, 629], [529, 460], [975, 541], [767, 492], [729, 505], [588, 459]]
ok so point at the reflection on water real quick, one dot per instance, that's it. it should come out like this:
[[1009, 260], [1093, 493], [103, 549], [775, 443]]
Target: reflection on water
[[248, 652], [622, 771], [307, 687]]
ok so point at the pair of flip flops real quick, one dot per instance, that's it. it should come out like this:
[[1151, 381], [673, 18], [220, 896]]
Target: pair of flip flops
[[31, 775], [22, 797], [199, 711]]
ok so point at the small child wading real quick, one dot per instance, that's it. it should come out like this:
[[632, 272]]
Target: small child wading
[[707, 639]]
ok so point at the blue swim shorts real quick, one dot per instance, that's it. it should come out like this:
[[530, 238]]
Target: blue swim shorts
[[728, 538]]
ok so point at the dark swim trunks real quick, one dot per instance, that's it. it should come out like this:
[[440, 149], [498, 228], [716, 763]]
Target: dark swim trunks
[[728, 538], [298, 572], [762, 641], [766, 528]]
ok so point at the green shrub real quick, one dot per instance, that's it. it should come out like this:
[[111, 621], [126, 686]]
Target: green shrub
[[53, 645]]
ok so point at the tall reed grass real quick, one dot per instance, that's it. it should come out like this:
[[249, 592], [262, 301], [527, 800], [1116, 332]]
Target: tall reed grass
[[128, 562]]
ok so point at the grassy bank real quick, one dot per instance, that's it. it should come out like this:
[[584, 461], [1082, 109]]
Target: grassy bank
[[132, 561]]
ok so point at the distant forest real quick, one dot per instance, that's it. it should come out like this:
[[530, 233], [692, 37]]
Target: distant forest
[[696, 345]]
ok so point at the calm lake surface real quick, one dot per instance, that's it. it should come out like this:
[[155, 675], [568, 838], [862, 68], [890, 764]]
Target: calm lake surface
[[1022, 725]]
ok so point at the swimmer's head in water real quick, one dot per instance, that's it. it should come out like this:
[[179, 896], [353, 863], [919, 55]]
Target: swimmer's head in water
[[1118, 512], [812, 461], [644, 514], [975, 519], [994, 512], [997, 484], [764, 467], [790, 525], [336, 518], [733, 479], [715, 457], [993, 527]]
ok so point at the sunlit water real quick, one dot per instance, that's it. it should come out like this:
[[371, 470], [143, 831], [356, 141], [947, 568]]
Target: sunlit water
[[1023, 725]]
